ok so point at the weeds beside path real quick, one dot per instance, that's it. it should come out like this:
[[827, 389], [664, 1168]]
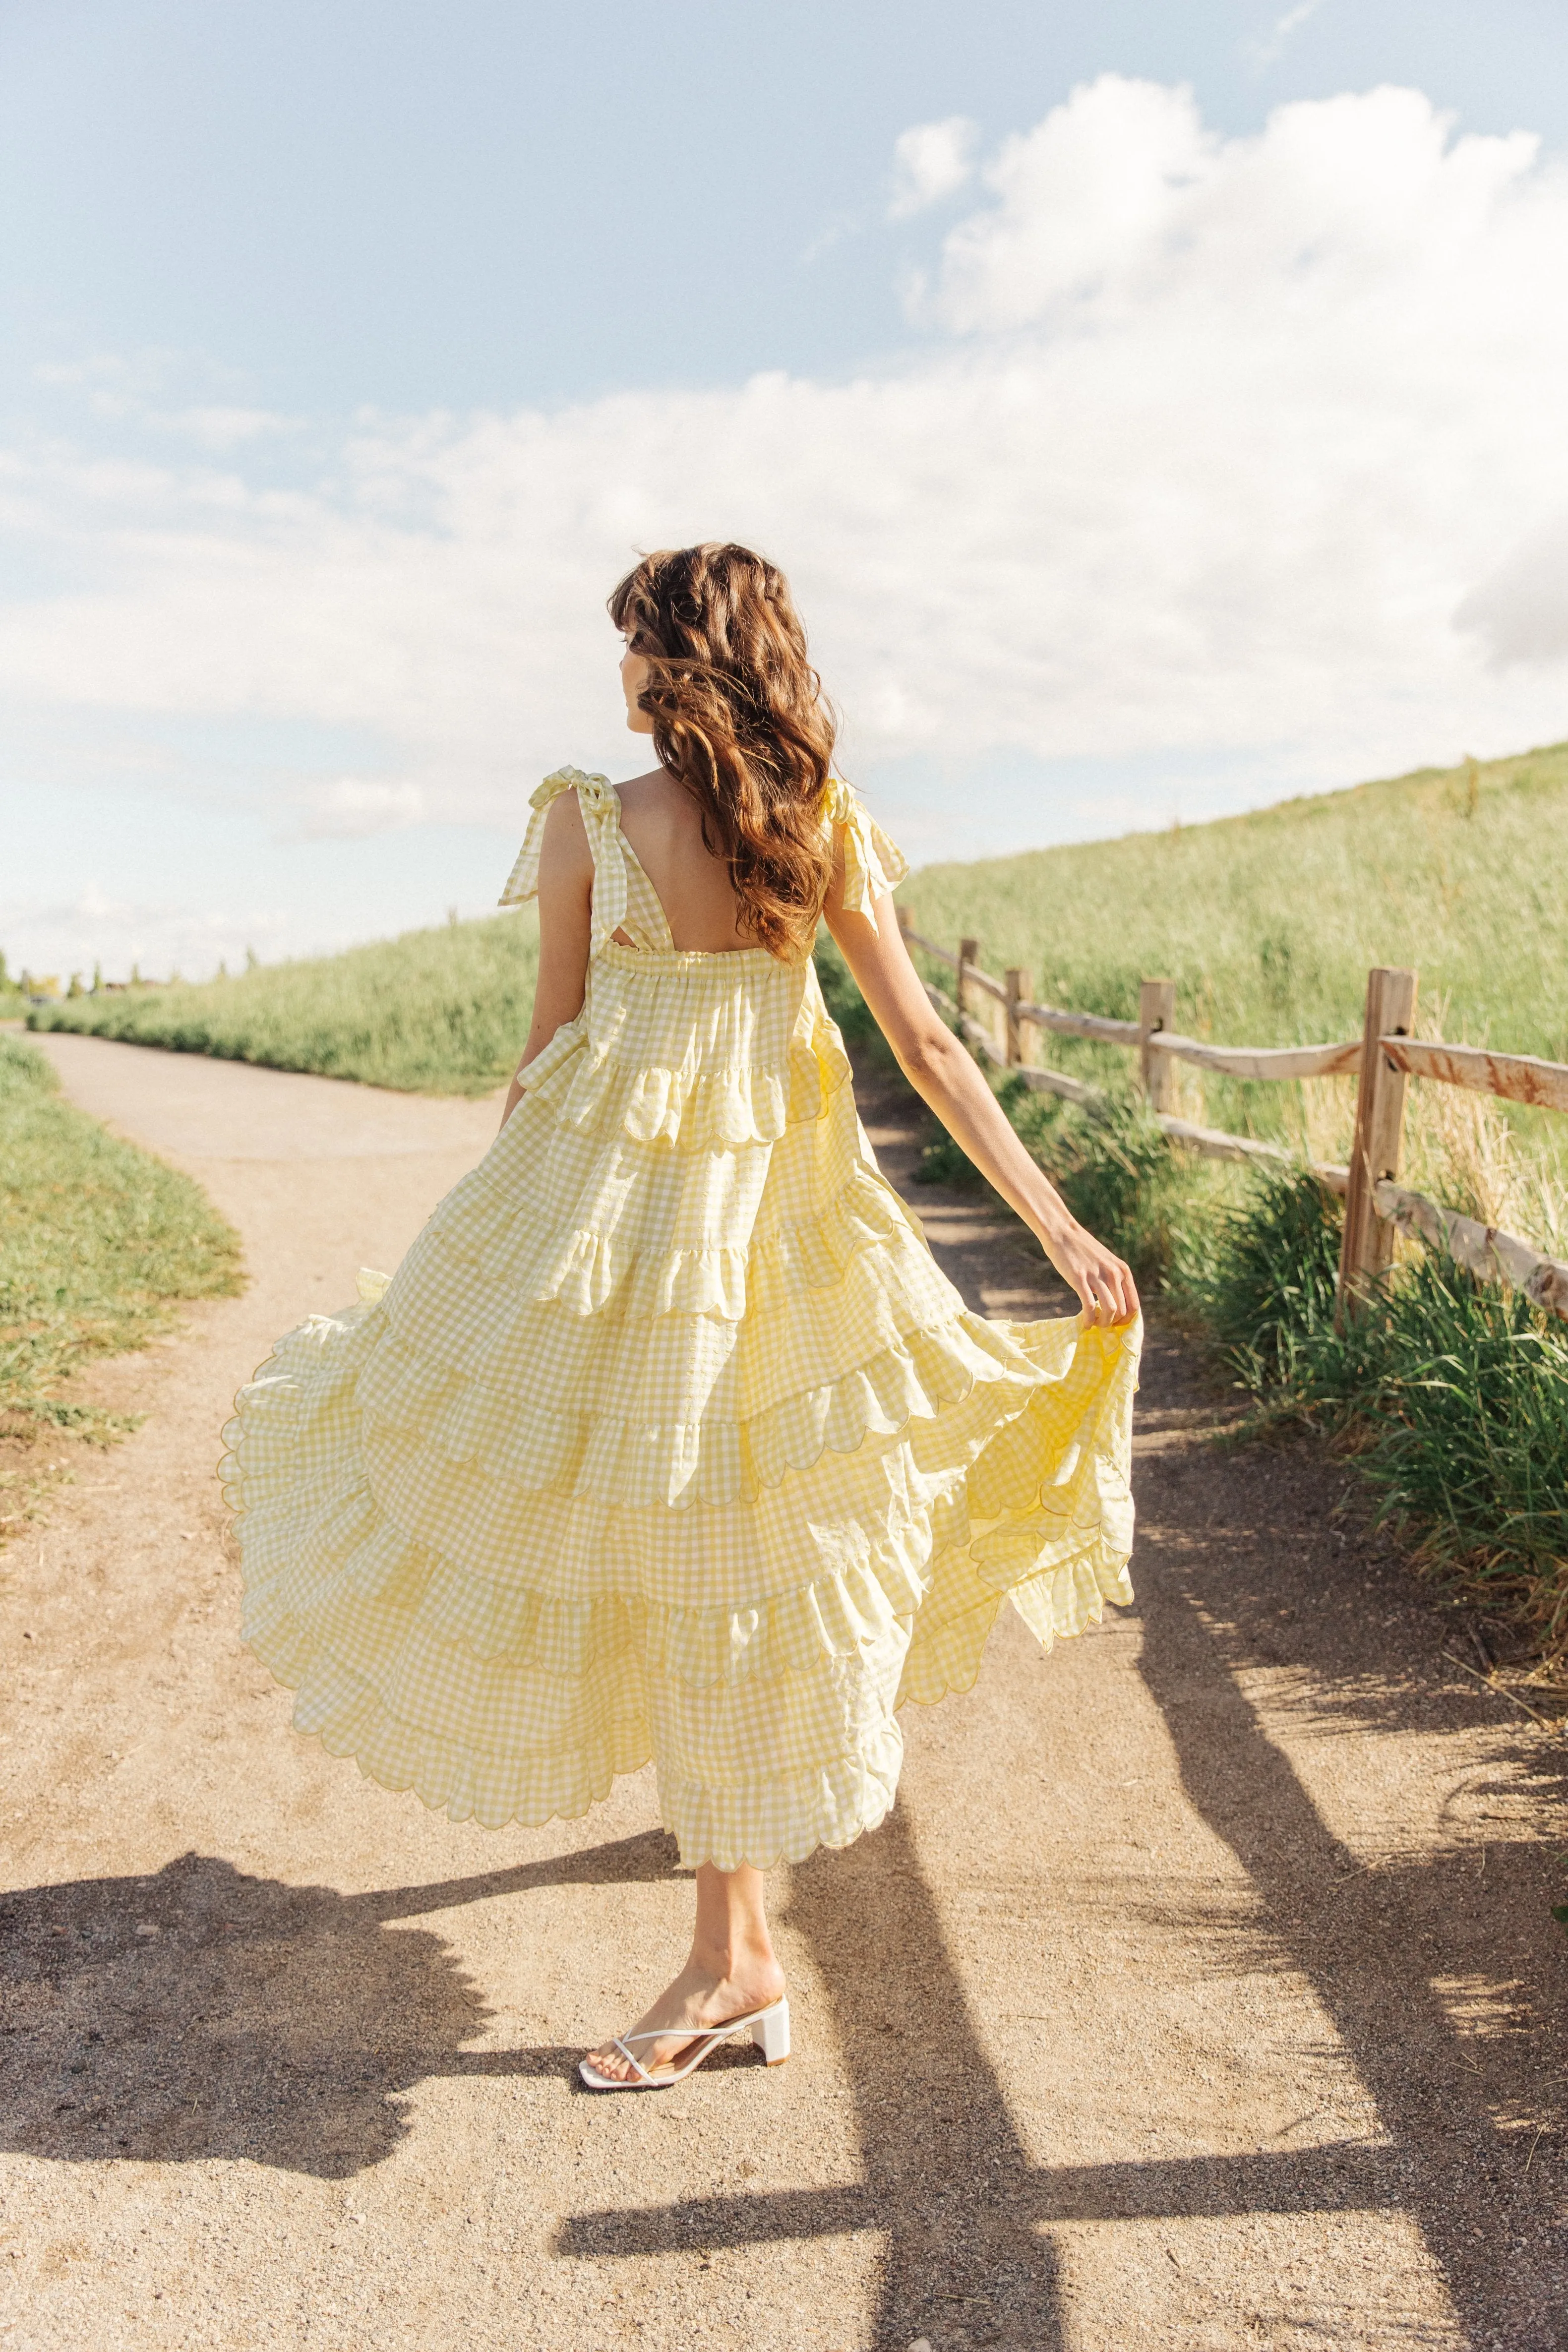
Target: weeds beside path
[[1201, 1989]]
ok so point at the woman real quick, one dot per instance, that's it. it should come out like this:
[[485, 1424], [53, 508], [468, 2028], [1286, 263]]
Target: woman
[[669, 1438]]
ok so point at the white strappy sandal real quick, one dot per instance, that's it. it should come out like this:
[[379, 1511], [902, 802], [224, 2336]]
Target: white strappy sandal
[[769, 2029]]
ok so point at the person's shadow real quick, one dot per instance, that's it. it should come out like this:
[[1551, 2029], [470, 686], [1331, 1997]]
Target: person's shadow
[[201, 2013]]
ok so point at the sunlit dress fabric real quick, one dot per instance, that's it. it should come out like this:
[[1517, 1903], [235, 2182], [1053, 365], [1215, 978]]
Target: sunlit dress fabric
[[668, 1439]]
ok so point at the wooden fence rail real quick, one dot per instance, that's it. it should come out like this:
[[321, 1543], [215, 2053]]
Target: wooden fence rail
[[1520, 1077], [1264, 1061], [1383, 1060], [1495, 1256]]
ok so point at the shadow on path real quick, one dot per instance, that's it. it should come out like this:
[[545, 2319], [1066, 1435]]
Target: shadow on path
[[946, 2179], [203, 2013], [1470, 2140], [285, 2023]]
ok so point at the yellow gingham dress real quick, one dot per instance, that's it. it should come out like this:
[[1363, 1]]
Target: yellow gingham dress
[[669, 1438]]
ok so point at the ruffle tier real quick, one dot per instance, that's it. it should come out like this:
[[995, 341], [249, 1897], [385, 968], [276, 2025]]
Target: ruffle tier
[[1014, 1523], [752, 1063], [390, 1640], [523, 1448], [600, 1261], [669, 1440]]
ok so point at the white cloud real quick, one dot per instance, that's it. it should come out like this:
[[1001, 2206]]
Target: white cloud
[[1520, 612], [220, 428], [1218, 443], [1264, 53], [351, 808], [930, 161], [1082, 198]]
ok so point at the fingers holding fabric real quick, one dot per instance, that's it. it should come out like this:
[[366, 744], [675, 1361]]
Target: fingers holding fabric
[[1104, 1283]]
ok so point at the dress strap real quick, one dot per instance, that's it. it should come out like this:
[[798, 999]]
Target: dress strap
[[872, 864], [599, 803]]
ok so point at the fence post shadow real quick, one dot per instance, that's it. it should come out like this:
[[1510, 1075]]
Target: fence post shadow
[[1366, 1937], [947, 2178]]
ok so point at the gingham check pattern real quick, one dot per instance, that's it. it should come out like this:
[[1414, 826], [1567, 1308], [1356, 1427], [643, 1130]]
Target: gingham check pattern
[[669, 1438]]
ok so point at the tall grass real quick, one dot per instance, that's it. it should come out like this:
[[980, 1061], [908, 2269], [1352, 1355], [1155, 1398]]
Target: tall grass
[[99, 1243], [1260, 1276], [437, 1011], [1267, 923], [1465, 1423], [1451, 1392]]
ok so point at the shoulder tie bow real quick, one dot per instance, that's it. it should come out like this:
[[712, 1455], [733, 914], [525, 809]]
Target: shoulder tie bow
[[601, 807], [872, 864]]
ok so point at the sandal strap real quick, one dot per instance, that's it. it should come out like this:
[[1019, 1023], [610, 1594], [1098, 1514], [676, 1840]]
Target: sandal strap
[[690, 2033], [630, 2058]]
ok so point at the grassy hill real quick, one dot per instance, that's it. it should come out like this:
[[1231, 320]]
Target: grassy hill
[[1266, 923], [442, 1011]]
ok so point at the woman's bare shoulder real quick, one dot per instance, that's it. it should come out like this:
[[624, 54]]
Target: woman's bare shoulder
[[655, 789], [564, 847], [660, 814]]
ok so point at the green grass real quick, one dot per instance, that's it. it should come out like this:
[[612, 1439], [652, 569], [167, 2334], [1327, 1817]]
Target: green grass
[[441, 1011], [99, 1243], [1259, 1274], [1451, 1392], [1267, 923]]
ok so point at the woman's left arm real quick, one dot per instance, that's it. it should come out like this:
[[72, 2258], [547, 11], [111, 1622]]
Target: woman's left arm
[[565, 914], [943, 1073]]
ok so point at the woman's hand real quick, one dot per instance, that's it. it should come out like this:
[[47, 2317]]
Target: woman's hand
[[1102, 1280]]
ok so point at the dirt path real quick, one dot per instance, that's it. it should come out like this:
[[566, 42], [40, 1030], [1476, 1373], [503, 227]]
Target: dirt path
[[1201, 1992]]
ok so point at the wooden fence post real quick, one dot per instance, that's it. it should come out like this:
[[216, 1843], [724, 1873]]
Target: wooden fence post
[[1156, 1011], [1367, 1249], [1020, 990], [968, 954]]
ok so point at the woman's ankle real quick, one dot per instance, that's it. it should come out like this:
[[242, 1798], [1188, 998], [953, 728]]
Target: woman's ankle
[[739, 1959]]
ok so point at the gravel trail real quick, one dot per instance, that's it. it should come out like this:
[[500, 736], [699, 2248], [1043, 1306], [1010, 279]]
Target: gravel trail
[[1202, 1990]]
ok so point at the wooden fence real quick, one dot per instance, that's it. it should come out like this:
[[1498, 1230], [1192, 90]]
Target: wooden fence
[[1384, 1059]]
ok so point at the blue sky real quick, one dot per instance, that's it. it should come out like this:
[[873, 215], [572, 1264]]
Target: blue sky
[[1135, 454]]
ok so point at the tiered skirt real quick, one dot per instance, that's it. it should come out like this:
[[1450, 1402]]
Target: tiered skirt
[[669, 1439]]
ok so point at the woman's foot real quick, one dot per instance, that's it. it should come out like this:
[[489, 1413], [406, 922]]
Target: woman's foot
[[708, 1991]]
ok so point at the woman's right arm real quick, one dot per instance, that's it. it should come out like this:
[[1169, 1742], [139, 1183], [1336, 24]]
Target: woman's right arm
[[565, 914], [944, 1076]]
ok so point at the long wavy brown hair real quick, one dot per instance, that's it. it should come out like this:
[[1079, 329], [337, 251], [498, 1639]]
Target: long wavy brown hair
[[741, 720]]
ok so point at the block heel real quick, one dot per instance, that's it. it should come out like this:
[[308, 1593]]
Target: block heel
[[770, 2033]]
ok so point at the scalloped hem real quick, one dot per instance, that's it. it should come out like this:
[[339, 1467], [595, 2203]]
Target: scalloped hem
[[1014, 1496], [784, 1819], [788, 1816], [347, 1714], [769, 1819]]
